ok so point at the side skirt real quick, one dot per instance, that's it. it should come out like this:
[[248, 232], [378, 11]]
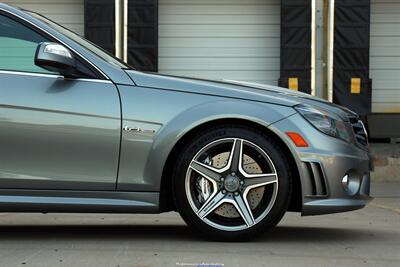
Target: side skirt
[[12, 200]]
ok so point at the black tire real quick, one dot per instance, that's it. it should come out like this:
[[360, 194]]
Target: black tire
[[275, 153]]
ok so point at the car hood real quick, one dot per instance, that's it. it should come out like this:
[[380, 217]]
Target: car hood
[[236, 89]]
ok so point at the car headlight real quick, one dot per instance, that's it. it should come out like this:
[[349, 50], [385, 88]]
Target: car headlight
[[328, 123]]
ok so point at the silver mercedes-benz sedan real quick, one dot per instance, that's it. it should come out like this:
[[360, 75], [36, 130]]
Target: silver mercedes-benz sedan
[[81, 131]]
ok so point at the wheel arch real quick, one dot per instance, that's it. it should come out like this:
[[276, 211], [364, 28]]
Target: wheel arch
[[166, 197]]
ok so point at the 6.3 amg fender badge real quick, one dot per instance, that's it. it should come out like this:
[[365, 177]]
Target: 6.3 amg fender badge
[[137, 129]]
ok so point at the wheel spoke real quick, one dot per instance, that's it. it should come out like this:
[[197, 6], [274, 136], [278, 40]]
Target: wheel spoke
[[206, 171], [235, 156], [257, 180], [213, 202], [244, 209]]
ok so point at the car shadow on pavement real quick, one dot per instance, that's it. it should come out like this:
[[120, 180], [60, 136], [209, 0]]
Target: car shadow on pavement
[[320, 234], [175, 233]]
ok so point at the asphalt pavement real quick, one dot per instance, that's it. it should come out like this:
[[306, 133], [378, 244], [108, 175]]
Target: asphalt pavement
[[367, 237]]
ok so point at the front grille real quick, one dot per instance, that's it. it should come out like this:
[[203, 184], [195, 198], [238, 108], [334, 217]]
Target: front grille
[[359, 132]]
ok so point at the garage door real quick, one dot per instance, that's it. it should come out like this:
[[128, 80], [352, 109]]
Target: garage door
[[220, 39], [69, 13], [385, 55]]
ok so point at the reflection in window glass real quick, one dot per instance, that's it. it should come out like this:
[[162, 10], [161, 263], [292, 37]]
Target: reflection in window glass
[[18, 46]]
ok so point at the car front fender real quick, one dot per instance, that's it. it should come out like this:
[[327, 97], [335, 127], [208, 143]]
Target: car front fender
[[183, 124]]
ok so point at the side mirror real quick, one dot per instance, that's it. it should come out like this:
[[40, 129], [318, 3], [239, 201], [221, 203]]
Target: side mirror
[[57, 58]]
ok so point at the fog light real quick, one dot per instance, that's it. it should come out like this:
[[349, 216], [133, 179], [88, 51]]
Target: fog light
[[345, 181], [351, 183]]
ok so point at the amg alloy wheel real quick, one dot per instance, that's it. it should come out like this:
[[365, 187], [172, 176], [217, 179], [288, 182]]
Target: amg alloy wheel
[[231, 184], [220, 184]]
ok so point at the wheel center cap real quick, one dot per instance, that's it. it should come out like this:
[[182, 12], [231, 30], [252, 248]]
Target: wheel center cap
[[231, 183]]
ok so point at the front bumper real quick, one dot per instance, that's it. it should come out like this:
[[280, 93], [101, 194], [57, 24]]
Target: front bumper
[[334, 203], [322, 167]]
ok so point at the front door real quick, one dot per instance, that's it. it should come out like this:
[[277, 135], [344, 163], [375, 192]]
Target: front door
[[55, 133]]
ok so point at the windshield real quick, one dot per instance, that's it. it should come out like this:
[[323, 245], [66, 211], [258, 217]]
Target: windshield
[[83, 42]]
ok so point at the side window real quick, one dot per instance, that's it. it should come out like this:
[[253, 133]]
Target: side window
[[18, 46]]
